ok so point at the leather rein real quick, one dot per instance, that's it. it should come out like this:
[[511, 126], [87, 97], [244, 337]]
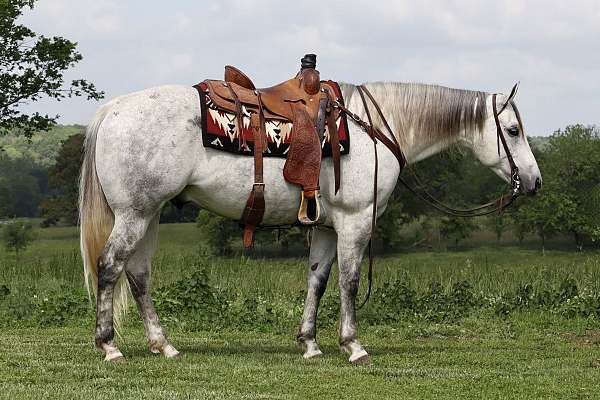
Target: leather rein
[[496, 205]]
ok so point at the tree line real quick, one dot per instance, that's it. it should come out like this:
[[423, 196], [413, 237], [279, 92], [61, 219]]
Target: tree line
[[568, 204]]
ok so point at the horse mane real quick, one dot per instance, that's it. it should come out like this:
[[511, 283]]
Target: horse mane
[[438, 112]]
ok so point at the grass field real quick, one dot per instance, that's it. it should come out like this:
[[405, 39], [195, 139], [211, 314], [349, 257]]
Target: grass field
[[527, 327]]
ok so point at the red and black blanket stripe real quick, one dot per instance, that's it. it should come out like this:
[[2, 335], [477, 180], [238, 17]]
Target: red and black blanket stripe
[[219, 130]]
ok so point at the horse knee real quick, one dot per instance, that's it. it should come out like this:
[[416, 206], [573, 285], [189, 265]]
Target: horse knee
[[318, 282], [349, 281], [108, 273]]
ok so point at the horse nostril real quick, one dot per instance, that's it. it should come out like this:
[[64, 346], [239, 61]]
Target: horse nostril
[[538, 184]]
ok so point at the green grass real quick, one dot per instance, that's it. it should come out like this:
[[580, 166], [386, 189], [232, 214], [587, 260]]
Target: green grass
[[531, 353], [478, 359], [494, 269]]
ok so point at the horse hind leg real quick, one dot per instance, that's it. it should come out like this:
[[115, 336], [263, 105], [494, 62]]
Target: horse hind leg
[[128, 231], [138, 271], [322, 255]]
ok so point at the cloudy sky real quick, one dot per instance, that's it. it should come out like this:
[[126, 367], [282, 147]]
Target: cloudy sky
[[551, 47]]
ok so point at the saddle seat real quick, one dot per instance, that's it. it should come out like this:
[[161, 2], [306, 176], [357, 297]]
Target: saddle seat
[[276, 100]]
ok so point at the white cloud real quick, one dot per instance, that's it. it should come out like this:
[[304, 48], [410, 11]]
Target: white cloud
[[552, 46]]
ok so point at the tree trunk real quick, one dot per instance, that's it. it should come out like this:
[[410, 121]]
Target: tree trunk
[[578, 241], [543, 236]]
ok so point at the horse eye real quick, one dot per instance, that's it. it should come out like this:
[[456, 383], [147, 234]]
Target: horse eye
[[514, 131]]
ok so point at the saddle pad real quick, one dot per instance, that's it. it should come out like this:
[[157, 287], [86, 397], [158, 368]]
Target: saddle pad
[[220, 130]]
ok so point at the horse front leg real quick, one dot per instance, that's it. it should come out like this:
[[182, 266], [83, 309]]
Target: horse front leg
[[351, 246], [322, 255]]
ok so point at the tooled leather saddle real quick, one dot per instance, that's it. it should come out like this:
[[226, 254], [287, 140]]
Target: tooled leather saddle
[[304, 101]]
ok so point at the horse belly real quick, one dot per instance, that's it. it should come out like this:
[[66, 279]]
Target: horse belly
[[222, 183]]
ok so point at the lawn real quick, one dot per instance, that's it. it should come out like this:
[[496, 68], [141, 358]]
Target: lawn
[[478, 359], [485, 322]]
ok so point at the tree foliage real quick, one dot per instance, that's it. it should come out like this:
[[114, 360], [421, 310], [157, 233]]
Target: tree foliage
[[218, 232], [570, 198], [40, 149], [457, 229], [63, 183], [497, 224], [17, 236], [32, 67], [23, 185]]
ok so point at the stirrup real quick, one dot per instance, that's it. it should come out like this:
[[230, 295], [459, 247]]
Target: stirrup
[[311, 211]]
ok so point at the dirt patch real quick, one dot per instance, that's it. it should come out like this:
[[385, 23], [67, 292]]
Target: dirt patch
[[590, 338]]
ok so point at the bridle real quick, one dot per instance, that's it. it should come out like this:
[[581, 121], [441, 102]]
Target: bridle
[[515, 178], [496, 205]]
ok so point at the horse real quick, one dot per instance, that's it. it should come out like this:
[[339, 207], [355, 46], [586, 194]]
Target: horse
[[144, 149]]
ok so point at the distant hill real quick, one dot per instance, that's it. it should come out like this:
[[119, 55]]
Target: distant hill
[[42, 148]]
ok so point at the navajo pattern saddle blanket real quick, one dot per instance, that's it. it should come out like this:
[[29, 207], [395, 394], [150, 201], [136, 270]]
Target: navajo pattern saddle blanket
[[220, 130]]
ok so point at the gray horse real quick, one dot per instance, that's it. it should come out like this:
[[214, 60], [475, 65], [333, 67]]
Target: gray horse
[[145, 148]]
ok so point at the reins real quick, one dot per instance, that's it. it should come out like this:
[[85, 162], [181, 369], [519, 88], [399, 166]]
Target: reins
[[496, 205]]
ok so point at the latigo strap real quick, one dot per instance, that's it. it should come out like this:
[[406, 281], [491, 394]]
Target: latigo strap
[[255, 205], [305, 102]]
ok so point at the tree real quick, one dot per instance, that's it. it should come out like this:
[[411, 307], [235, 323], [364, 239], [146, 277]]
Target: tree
[[390, 224], [22, 186], [218, 232], [546, 215], [573, 160], [568, 202], [497, 223], [63, 182], [32, 67], [17, 236], [221, 234], [457, 228]]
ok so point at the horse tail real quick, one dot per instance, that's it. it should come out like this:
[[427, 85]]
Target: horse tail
[[96, 219]]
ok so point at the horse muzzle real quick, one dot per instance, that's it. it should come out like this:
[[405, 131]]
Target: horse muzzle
[[531, 187]]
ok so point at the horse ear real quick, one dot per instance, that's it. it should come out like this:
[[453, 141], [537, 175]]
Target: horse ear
[[513, 92], [510, 97]]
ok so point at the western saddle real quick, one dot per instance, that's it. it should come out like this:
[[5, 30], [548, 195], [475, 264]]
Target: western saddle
[[304, 101]]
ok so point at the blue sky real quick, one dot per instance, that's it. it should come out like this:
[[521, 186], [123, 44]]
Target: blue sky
[[551, 47]]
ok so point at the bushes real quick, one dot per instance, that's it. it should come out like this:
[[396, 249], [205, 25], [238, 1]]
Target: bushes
[[56, 308], [395, 301], [193, 302]]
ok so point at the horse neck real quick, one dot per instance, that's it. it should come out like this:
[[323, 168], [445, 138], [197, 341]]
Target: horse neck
[[417, 147], [415, 144]]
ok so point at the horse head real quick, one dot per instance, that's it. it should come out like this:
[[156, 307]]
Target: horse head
[[503, 146]]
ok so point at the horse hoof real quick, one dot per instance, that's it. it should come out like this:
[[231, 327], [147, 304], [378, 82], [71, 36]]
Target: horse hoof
[[358, 355], [360, 358], [312, 354], [114, 356], [311, 349], [170, 351]]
